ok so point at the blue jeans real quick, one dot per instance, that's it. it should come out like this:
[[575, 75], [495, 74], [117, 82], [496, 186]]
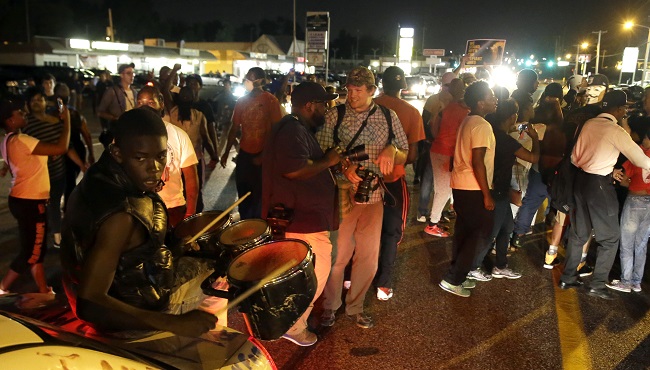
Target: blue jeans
[[426, 187], [536, 192], [635, 230]]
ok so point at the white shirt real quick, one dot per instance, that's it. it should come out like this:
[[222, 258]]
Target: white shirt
[[474, 132], [180, 154], [599, 144], [30, 178]]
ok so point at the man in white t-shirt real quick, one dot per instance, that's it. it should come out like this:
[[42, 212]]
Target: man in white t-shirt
[[181, 160], [471, 180]]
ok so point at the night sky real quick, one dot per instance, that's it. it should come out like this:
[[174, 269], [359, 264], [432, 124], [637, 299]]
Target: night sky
[[528, 26]]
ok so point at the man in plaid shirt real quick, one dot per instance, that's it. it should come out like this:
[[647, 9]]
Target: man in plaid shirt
[[360, 229]]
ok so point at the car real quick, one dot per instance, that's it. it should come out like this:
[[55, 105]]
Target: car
[[29, 343], [415, 86]]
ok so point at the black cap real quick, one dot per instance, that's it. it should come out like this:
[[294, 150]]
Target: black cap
[[122, 67], [598, 80], [393, 79], [8, 107], [614, 99], [196, 77], [310, 91]]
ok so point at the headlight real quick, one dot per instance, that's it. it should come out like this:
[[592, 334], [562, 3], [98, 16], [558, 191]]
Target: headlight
[[239, 91]]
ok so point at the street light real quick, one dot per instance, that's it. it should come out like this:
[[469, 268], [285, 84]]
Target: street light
[[628, 25], [584, 45], [600, 33]]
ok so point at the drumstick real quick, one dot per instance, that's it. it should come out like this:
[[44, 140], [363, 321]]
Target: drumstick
[[275, 273], [213, 222]]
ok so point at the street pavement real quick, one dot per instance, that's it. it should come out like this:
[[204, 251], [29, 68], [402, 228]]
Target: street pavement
[[527, 323]]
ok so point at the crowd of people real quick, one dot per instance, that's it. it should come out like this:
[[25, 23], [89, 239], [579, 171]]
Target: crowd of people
[[486, 157]]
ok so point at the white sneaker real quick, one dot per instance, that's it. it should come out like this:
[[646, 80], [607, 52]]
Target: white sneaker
[[384, 294], [479, 275], [619, 285], [636, 288], [422, 219], [505, 273]]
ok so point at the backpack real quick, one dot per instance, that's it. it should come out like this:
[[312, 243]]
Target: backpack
[[560, 181]]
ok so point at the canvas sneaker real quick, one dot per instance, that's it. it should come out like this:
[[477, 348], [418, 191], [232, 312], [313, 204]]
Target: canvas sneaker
[[468, 284], [619, 285], [479, 275], [384, 294], [550, 260], [505, 273], [303, 339], [584, 269], [458, 290], [636, 288], [436, 230], [422, 219]]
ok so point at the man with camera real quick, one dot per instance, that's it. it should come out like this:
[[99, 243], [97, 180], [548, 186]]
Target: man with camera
[[360, 121], [296, 181]]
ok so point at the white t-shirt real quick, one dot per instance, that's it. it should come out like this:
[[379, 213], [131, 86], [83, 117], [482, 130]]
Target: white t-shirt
[[30, 178], [527, 142], [474, 132], [180, 154]]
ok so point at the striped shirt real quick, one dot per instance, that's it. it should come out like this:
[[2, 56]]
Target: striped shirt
[[374, 136], [49, 133]]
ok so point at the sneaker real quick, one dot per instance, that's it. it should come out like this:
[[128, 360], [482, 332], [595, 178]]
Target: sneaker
[[435, 230], [458, 290], [468, 284], [550, 260], [505, 273], [451, 214], [584, 269], [384, 294], [303, 339], [636, 288], [444, 219], [347, 284], [36, 300], [362, 320], [619, 285], [515, 241], [6, 293], [328, 317], [479, 275], [422, 219]]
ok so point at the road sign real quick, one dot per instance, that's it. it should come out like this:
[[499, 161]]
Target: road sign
[[433, 52], [433, 60]]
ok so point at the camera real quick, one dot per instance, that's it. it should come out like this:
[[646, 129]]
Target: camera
[[365, 186], [522, 127], [356, 154]]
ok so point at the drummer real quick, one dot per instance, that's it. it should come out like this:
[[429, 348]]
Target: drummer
[[296, 175], [117, 273]]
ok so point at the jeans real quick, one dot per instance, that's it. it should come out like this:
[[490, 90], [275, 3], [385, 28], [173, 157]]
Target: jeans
[[392, 229], [635, 230], [536, 192], [501, 231], [426, 186], [248, 178]]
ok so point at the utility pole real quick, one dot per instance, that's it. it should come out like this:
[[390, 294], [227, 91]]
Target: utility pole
[[294, 37], [356, 54], [111, 31], [600, 33], [424, 30], [374, 53], [397, 46]]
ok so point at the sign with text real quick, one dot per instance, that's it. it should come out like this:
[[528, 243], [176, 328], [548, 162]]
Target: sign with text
[[318, 21], [433, 52], [317, 39], [433, 60], [485, 52], [630, 57]]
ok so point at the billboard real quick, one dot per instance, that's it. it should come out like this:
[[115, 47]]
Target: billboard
[[485, 52], [630, 57]]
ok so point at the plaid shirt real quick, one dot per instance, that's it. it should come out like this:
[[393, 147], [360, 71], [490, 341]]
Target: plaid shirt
[[374, 136]]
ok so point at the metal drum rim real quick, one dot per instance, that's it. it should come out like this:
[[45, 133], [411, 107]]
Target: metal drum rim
[[254, 241], [227, 218]]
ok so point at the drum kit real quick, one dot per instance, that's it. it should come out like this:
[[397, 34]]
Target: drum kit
[[272, 282]]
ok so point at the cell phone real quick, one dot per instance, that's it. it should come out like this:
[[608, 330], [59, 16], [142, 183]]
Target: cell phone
[[59, 104], [522, 127]]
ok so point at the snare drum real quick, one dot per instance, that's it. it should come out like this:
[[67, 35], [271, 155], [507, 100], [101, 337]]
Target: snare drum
[[207, 242], [243, 235], [274, 308]]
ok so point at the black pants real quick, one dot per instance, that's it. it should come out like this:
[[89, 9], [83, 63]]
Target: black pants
[[248, 177], [32, 229], [472, 231], [596, 208], [392, 229], [501, 231]]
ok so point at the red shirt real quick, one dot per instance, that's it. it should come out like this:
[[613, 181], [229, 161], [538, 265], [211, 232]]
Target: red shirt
[[452, 116], [256, 112], [636, 176]]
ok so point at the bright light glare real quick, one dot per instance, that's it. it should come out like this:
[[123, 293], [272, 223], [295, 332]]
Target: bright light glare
[[503, 76], [628, 25], [529, 63], [550, 63], [568, 56], [239, 91], [585, 45]]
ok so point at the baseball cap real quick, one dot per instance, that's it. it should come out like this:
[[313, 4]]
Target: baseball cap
[[8, 107], [393, 78], [614, 99], [360, 76], [446, 78], [310, 91], [122, 67], [599, 80], [195, 77], [527, 75]]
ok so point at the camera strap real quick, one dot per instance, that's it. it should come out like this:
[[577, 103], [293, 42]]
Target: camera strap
[[380, 182], [363, 125]]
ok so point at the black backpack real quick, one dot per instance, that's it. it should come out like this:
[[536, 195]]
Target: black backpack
[[560, 181]]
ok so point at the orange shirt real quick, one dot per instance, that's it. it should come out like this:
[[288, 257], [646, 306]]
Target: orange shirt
[[452, 116], [256, 112], [411, 121], [636, 175]]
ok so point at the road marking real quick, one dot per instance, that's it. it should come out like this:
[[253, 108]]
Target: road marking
[[574, 344], [502, 336]]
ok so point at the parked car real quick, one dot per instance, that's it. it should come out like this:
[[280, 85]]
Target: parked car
[[415, 86]]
